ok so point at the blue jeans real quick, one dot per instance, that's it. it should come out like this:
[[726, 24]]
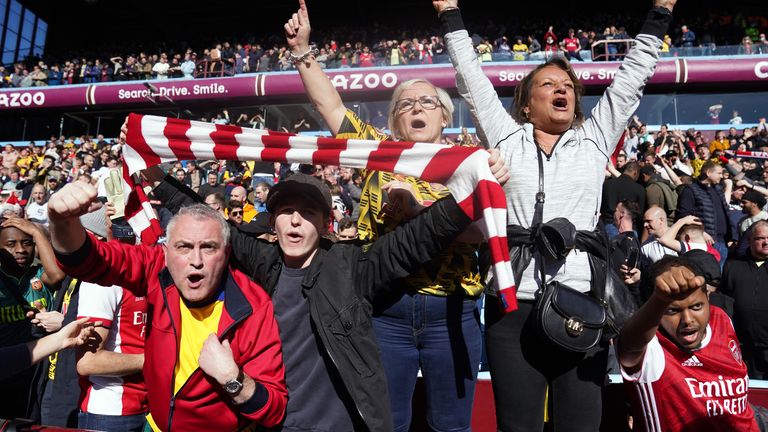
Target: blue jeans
[[100, 422], [440, 336]]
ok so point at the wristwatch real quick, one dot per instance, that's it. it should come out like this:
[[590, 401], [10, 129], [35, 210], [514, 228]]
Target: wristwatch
[[233, 386]]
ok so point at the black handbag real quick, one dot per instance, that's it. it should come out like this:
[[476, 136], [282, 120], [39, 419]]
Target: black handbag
[[567, 318], [570, 319]]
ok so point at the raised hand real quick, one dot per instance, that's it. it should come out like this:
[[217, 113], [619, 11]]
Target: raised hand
[[22, 225], [691, 219], [676, 283], [443, 5], [297, 30], [73, 200], [669, 4]]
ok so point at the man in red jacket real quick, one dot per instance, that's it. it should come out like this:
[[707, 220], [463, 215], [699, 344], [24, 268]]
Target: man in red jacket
[[213, 355]]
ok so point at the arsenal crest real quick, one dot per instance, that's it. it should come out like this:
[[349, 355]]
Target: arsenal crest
[[36, 284], [733, 346]]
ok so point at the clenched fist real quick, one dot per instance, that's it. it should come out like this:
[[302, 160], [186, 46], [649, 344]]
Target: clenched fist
[[443, 5], [73, 200], [676, 283], [669, 4]]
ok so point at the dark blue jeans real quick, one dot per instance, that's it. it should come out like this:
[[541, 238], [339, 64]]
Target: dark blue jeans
[[99, 422], [440, 336]]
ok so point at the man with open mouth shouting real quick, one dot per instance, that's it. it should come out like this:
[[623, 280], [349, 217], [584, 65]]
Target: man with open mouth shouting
[[213, 358], [680, 357]]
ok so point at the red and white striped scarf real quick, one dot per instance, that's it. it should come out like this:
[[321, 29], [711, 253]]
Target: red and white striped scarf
[[752, 154], [153, 140]]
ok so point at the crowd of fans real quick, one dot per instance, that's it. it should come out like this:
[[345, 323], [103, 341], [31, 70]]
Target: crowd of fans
[[375, 46], [648, 206]]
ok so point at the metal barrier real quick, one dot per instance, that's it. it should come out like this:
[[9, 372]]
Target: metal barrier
[[606, 55], [212, 69]]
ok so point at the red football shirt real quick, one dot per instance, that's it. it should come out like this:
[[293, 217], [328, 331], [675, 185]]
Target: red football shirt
[[125, 316], [701, 390]]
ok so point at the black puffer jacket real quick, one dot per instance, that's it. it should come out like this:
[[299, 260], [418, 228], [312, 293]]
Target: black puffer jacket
[[342, 282]]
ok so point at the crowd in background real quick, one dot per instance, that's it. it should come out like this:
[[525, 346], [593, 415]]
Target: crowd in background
[[377, 46]]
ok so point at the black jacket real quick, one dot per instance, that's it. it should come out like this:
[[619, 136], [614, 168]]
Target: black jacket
[[748, 285], [708, 204], [343, 281]]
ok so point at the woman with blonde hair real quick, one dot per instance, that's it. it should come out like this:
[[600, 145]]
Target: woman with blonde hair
[[430, 321]]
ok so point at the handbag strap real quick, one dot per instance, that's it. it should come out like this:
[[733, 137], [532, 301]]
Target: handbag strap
[[538, 217], [538, 214]]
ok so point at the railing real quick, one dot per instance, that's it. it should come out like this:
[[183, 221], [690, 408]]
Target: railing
[[213, 69], [596, 53], [611, 49]]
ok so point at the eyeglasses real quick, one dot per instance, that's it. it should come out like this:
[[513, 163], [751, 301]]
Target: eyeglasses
[[426, 102], [236, 213]]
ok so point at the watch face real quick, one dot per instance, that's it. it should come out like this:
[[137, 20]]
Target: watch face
[[233, 386]]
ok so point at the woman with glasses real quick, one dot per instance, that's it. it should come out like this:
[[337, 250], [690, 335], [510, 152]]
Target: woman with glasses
[[548, 132], [430, 321]]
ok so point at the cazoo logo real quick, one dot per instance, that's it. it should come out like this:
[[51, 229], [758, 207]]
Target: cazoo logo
[[358, 81], [12, 100]]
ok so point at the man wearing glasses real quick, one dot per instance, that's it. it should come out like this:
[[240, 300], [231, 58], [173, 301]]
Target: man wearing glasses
[[235, 212]]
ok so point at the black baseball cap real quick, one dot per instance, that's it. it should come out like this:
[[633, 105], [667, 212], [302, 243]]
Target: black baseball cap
[[300, 185], [703, 264]]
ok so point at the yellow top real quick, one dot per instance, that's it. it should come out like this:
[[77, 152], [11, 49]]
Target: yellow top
[[455, 268], [196, 325]]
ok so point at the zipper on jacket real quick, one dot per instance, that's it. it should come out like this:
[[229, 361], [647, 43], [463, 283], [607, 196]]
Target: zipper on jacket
[[173, 381], [172, 404], [552, 152]]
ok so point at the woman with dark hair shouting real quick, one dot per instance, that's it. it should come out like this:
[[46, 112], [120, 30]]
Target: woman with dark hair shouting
[[559, 156]]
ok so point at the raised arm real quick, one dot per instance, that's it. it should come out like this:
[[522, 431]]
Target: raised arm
[[491, 119], [675, 283], [64, 210], [673, 177], [82, 256], [321, 92], [669, 238], [620, 100]]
